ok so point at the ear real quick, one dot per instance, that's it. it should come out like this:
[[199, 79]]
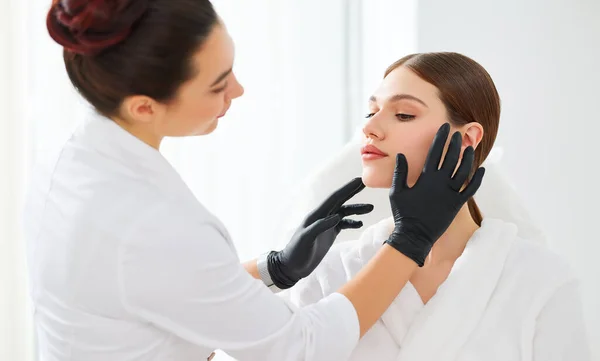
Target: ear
[[140, 109], [472, 135]]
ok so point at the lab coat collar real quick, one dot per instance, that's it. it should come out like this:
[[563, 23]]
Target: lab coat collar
[[114, 142]]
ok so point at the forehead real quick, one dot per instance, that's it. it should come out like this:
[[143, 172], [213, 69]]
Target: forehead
[[216, 54], [404, 81]]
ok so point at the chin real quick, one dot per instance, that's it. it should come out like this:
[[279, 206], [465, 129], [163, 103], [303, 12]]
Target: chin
[[374, 178], [207, 129]]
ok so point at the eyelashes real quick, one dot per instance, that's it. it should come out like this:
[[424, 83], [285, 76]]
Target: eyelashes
[[405, 117], [400, 116], [220, 90]]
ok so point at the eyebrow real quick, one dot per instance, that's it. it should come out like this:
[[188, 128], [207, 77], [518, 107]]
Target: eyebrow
[[398, 97], [221, 77]]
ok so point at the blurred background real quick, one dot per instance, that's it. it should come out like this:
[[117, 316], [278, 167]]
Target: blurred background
[[308, 68]]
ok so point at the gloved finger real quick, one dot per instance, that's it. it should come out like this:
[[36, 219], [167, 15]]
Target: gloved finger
[[474, 184], [452, 155], [322, 225], [336, 200], [464, 169], [399, 181], [436, 150], [349, 224], [353, 209]]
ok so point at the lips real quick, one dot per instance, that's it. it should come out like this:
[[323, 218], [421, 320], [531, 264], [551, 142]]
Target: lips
[[224, 112], [370, 152], [371, 149]]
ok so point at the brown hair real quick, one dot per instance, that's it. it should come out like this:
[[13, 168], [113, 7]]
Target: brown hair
[[117, 48], [468, 93]]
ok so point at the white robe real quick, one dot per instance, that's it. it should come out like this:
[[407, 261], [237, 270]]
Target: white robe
[[506, 299]]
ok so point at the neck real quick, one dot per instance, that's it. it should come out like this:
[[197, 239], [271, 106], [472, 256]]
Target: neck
[[452, 243], [141, 132]]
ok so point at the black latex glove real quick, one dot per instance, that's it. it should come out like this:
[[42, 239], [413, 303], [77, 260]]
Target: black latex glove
[[313, 239], [424, 212]]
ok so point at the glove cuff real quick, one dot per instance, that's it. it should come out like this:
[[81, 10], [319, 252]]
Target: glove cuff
[[263, 271], [276, 272], [411, 245]]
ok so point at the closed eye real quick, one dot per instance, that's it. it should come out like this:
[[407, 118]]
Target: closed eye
[[401, 116], [221, 89], [405, 117]]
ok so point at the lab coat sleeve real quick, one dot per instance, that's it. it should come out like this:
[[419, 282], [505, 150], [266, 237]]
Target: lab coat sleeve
[[178, 272], [560, 328]]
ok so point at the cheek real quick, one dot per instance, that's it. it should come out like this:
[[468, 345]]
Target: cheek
[[205, 108], [194, 116], [415, 166], [415, 152], [413, 142], [195, 102], [379, 173]]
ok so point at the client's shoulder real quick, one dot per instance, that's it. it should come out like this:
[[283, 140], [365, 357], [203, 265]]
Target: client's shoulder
[[536, 263]]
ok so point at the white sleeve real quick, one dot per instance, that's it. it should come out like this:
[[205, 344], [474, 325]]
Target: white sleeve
[[329, 276], [306, 292], [179, 273], [560, 329]]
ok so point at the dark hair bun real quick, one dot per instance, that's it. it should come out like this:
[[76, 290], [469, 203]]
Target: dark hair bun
[[88, 27]]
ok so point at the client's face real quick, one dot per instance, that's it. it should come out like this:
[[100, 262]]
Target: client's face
[[405, 114]]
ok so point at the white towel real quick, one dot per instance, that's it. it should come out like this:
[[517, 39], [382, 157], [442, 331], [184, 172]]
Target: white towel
[[487, 309], [445, 324]]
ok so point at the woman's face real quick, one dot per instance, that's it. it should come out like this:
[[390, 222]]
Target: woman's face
[[204, 99], [405, 113]]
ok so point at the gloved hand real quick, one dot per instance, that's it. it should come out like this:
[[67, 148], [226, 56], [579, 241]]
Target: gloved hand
[[423, 212], [313, 239]]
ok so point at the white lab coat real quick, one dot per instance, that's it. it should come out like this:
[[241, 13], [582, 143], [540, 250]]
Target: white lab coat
[[506, 298], [126, 264]]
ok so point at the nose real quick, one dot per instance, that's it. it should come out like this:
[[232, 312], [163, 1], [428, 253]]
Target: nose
[[237, 90], [372, 129]]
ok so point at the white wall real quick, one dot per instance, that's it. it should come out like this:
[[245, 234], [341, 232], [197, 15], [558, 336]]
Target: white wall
[[290, 115], [15, 335], [389, 31], [544, 57]]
